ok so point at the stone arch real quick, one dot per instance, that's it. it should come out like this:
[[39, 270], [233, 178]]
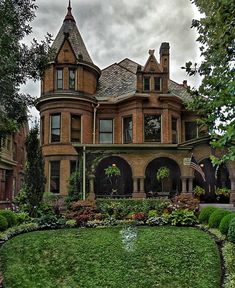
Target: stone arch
[[214, 179], [173, 183], [124, 185]]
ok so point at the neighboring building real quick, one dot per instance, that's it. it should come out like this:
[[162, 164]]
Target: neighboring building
[[135, 115], [12, 164]]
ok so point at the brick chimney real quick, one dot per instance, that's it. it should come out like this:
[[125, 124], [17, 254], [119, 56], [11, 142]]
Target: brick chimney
[[165, 57]]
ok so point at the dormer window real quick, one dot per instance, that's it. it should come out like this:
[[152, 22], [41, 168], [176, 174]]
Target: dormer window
[[59, 79], [146, 83], [157, 84], [71, 79]]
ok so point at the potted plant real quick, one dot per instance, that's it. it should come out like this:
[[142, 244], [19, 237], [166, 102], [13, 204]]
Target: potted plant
[[222, 192], [112, 172], [198, 191], [162, 174]]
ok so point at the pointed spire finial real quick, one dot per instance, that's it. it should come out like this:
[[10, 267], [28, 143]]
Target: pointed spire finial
[[69, 15]]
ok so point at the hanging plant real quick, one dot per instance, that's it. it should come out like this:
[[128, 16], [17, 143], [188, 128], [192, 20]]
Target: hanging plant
[[162, 173], [198, 191]]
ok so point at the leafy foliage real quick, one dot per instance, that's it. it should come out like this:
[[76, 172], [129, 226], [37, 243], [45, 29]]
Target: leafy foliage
[[3, 223], [185, 201], [10, 216], [74, 191], [231, 231], [222, 192], [198, 191], [224, 224], [229, 258], [214, 100], [162, 173], [205, 214], [18, 62], [182, 217], [216, 217], [16, 230], [34, 180]]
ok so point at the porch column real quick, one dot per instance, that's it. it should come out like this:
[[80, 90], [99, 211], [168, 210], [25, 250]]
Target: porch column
[[184, 184], [91, 195], [138, 193], [190, 184], [232, 193]]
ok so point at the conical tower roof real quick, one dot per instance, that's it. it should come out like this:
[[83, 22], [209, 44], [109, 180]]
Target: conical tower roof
[[70, 31]]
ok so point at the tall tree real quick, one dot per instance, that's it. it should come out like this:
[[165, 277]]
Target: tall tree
[[215, 98], [34, 179], [18, 62]]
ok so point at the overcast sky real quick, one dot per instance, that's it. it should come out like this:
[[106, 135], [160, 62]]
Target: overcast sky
[[116, 29]]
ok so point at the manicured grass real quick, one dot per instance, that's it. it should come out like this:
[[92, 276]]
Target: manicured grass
[[165, 257]]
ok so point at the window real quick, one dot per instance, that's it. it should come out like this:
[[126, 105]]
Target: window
[[71, 79], [59, 78], [55, 128], [127, 130], [174, 130], [73, 166], [152, 128], [42, 130], [157, 83], [106, 131], [55, 176], [76, 128], [146, 83], [190, 130]]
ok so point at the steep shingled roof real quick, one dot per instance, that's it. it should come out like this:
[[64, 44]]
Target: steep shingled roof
[[70, 29], [120, 79]]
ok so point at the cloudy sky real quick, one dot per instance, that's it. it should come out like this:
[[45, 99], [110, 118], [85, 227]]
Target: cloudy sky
[[115, 29]]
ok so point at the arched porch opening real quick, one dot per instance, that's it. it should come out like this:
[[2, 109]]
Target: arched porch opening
[[215, 178], [172, 184], [124, 185]]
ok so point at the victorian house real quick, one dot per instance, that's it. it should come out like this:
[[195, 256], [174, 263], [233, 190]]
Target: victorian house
[[132, 114]]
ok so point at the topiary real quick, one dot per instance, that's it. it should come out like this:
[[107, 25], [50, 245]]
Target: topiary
[[10, 216], [3, 223], [216, 217], [205, 214], [231, 231], [224, 224]]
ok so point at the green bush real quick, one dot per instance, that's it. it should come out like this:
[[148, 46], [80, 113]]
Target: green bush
[[10, 216], [182, 217], [16, 230], [231, 231], [3, 223], [22, 217], [224, 224], [216, 217], [205, 214]]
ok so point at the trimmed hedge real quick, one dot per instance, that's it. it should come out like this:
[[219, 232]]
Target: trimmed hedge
[[10, 216], [3, 223], [205, 214], [231, 231], [216, 217], [224, 224]]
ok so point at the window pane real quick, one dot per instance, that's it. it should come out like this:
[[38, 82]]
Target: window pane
[[157, 83], [190, 130], [106, 138], [55, 176], [71, 79], [55, 128], [146, 83], [106, 125], [75, 128], [174, 130], [59, 77], [127, 129], [152, 128]]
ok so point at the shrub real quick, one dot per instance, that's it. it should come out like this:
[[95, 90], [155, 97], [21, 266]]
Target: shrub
[[71, 223], [198, 191], [205, 214], [3, 223], [139, 216], [10, 216], [185, 201], [22, 217], [16, 230], [182, 217], [157, 221], [216, 217], [152, 213], [224, 224], [50, 222], [231, 231]]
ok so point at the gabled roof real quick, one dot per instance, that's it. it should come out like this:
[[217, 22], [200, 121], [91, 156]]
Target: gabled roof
[[70, 30], [120, 79], [116, 80]]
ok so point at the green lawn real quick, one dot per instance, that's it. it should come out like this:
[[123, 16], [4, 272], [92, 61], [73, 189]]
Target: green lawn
[[167, 257]]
